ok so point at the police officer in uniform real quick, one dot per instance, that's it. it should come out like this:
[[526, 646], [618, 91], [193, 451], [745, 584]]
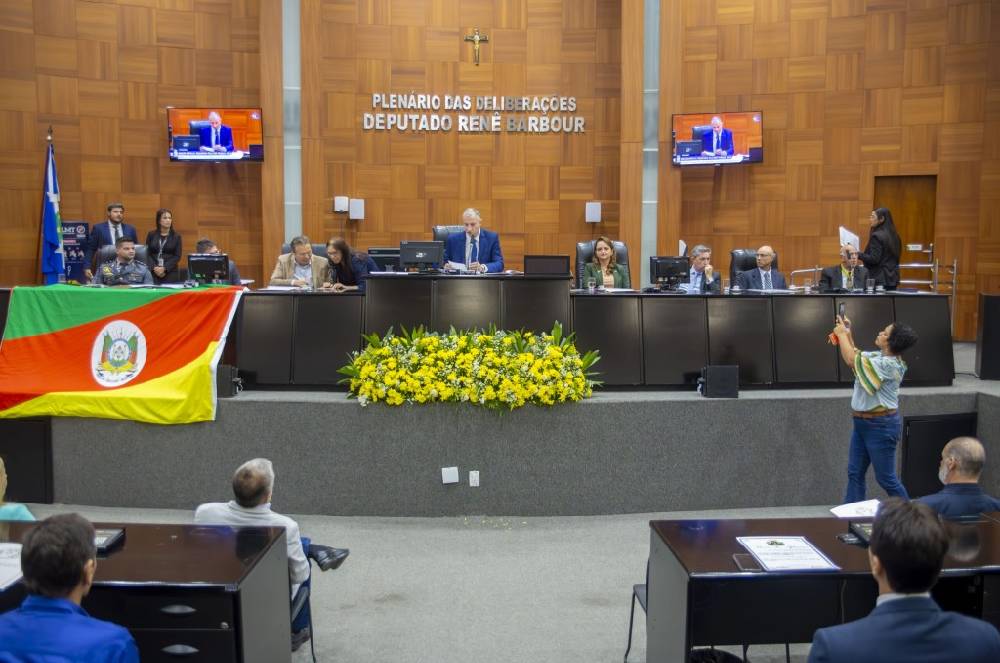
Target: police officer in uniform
[[123, 269]]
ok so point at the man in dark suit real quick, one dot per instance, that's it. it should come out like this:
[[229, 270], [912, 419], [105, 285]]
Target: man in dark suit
[[763, 277], [907, 549], [718, 142], [216, 137], [849, 275], [962, 462], [206, 245], [105, 234], [702, 278], [476, 248]]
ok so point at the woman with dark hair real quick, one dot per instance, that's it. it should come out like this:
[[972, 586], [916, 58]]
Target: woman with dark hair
[[163, 249], [603, 268], [348, 270], [881, 256]]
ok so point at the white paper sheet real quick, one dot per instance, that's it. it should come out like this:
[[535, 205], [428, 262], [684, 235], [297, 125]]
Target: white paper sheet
[[10, 564], [847, 237], [456, 266], [786, 553], [864, 509]]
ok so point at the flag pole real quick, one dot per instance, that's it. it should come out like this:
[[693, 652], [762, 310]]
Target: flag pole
[[41, 216]]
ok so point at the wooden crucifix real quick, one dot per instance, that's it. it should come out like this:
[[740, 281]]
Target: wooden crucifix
[[476, 39]]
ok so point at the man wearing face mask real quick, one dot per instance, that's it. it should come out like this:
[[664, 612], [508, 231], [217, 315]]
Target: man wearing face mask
[[962, 462]]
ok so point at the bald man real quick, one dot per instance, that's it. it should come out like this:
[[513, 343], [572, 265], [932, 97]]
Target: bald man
[[762, 277], [962, 462], [216, 137]]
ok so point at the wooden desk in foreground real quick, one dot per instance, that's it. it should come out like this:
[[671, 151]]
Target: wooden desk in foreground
[[192, 593], [697, 597]]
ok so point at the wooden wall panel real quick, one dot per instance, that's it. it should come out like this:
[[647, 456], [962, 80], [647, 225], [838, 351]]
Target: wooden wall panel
[[850, 90], [101, 74], [530, 187]]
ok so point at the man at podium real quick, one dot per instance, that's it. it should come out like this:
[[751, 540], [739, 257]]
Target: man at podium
[[476, 248]]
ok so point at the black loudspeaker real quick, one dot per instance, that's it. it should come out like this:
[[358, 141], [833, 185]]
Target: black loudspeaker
[[988, 338], [26, 450], [920, 451], [720, 382], [227, 381]]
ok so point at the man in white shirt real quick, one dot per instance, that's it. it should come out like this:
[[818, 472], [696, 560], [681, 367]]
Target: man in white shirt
[[253, 484]]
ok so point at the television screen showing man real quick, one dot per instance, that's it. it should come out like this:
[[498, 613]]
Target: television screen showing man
[[718, 142], [216, 137]]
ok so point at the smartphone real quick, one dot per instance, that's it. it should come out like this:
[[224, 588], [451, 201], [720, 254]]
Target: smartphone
[[745, 562], [842, 309]]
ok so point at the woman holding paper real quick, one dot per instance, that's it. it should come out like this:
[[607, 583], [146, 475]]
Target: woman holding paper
[[875, 406], [881, 256]]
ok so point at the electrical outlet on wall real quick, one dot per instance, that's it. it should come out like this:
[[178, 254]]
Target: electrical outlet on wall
[[474, 478]]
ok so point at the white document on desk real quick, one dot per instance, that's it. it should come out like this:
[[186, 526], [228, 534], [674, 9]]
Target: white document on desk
[[786, 553], [10, 564], [864, 509]]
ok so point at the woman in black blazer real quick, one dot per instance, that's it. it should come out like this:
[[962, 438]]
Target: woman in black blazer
[[881, 256], [163, 249]]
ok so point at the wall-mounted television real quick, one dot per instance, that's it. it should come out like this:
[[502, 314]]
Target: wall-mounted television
[[214, 134], [718, 139]]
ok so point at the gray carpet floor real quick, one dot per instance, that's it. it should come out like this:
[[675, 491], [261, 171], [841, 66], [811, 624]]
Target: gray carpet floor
[[498, 589], [454, 590]]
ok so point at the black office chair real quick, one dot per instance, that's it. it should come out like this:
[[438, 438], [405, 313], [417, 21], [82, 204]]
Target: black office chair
[[300, 601], [318, 249], [107, 252], [195, 126], [440, 233], [742, 260], [638, 594], [700, 130], [585, 254]]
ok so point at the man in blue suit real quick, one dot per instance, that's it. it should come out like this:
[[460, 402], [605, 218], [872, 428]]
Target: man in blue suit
[[105, 234], [216, 137], [477, 249], [907, 549], [718, 142], [962, 461], [763, 277]]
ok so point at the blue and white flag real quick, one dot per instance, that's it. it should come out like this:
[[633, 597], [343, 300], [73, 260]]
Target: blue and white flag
[[53, 268]]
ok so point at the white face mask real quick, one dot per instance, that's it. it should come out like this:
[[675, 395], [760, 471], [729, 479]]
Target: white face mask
[[943, 473]]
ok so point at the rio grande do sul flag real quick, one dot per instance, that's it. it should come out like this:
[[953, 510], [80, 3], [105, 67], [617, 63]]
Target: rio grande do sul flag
[[140, 354]]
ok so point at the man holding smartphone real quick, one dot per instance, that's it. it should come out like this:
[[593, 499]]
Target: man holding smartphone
[[874, 405]]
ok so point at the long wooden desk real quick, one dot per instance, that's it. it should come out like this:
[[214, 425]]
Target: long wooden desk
[[698, 597], [196, 593], [654, 340]]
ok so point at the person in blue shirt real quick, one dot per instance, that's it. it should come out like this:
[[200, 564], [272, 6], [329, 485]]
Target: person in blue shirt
[[906, 552], [10, 510], [875, 406], [58, 560], [962, 461]]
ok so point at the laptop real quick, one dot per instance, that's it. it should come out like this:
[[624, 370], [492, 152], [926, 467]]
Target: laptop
[[558, 265]]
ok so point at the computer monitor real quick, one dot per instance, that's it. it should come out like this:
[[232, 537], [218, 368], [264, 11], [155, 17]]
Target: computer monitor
[[187, 143], [386, 257], [546, 265], [668, 271], [422, 255], [688, 148], [208, 267]]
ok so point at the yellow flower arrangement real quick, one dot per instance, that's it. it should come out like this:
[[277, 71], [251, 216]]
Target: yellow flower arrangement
[[500, 370]]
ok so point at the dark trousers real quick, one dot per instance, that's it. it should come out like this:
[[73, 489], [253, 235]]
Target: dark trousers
[[874, 443], [302, 619]]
